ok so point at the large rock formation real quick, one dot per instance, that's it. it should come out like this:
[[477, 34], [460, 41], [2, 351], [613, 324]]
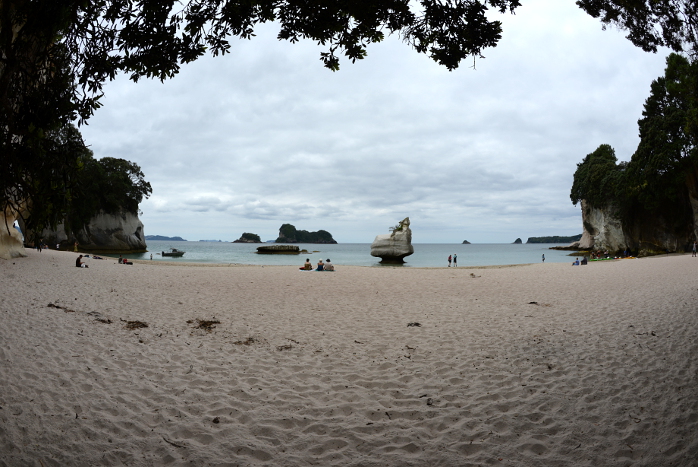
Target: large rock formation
[[115, 233], [603, 229], [644, 233], [394, 247]]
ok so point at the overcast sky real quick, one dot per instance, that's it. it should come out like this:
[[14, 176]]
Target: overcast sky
[[266, 135]]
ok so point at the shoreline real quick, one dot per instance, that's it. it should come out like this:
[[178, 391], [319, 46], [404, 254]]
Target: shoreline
[[536, 365]]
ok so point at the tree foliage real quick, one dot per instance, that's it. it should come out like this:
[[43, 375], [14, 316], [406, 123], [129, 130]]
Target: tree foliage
[[598, 177], [668, 135], [651, 24], [81, 186], [110, 185]]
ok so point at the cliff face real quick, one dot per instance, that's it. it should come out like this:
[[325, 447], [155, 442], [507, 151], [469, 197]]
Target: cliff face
[[603, 230], [669, 228], [117, 233]]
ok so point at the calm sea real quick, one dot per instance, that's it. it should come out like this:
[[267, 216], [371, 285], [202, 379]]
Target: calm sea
[[358, 254]]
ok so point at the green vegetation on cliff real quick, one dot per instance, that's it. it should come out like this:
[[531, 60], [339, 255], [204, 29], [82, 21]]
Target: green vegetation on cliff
[[554, 239], [108, 185], [289, 234]]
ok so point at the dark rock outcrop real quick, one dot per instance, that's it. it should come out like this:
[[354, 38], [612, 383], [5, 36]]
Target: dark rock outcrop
[[248, 238], [279, 250], [518, 241]]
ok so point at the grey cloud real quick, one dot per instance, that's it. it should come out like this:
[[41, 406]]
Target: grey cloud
[[266, 135]]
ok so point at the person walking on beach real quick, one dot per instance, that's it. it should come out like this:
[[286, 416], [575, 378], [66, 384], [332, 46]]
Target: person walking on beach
[[694, 249], [455, 260], [449, 261], [544, 257]]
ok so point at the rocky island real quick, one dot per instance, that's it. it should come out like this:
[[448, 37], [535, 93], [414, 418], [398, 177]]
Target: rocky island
[[247, 237], [163, 238], [289, 234]]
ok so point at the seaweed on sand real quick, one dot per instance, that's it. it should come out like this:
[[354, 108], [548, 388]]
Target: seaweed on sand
[[131, 325], [207, 325], [249, 341]]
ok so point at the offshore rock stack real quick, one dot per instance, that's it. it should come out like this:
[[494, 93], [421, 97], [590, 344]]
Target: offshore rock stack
[[394, 247]]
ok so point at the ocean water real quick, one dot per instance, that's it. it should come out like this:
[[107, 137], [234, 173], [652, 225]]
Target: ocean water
[[358, 254]]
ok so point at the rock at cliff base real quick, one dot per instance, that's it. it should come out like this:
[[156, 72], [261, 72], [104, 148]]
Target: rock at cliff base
[[394, 247]]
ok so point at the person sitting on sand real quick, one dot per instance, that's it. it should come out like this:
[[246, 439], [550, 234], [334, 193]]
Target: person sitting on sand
[[576, 262], [125, 261], [121, 260], [320, 266], [328, 265], [585, 260], [79, 263], [308, 266]]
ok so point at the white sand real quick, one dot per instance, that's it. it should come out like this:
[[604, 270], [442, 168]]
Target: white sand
[[601, 371]]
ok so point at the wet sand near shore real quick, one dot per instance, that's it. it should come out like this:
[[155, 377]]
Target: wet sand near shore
[[534, 365]]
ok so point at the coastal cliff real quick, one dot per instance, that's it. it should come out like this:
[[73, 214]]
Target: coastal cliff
[[649, 204], [117, 233], [662, 230]]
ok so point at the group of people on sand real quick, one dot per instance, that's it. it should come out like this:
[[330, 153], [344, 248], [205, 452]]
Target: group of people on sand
[[326, 266], [576, 262], [453, 258], [123, 260]]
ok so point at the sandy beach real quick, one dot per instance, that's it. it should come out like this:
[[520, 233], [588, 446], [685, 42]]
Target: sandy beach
[[536, 365]]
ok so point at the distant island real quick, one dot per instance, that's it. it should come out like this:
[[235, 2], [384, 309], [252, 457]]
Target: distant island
[[554, 239], [289, 234], [247, 237], [465, 242], [217, 241], [164, 239], [518, 241]]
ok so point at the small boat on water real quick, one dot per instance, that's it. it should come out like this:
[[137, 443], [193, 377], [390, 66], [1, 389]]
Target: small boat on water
[[173, 252]]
